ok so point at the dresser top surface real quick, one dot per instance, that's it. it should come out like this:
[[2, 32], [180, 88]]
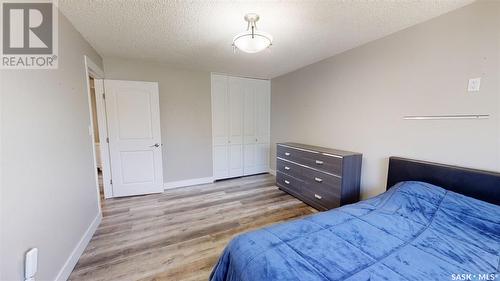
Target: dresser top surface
[[319, 149]]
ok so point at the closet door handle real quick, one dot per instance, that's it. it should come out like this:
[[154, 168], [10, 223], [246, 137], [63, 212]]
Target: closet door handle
[[318, 196], [318, 180], [287, 182], [319, 162], [287, 153], [287, 168]]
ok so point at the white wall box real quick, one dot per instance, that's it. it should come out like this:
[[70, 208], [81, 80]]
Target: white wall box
[[240, 126]]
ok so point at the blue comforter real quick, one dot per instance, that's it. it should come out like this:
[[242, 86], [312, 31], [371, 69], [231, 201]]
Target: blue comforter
[[414, 231]]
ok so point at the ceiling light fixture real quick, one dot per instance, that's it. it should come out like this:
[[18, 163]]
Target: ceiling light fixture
[[252, 40]]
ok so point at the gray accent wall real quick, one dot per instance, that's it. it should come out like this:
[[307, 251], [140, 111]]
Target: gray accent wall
[[356, 100], [185, 113], [48, 185]]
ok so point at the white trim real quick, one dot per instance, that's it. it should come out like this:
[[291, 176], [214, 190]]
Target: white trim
[[77, 252], [89, 72], [248, 77], [103, 133], [94, 71], [183, 183], [272, 172]]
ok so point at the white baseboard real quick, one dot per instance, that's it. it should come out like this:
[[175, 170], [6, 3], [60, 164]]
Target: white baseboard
[[182, 183], [272, 172], [70, 263]]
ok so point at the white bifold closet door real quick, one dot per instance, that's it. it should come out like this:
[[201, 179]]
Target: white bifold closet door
[[240, 120], [235, 118], [220, 126], [249, 129], [263, 125], [256, 114]]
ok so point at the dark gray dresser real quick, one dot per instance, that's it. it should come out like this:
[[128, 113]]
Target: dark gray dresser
[[324, 178]]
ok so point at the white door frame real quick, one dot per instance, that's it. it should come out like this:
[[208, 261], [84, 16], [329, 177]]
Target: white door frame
[[94, 71]]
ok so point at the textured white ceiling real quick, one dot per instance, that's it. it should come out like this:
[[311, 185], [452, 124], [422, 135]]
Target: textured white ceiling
[[198, 34]]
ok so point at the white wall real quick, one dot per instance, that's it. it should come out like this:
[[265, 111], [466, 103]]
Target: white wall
[[48, 188], [356, 100], [185, 112]]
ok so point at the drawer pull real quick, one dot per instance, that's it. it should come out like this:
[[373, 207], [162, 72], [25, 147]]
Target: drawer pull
[[287, 182], [287, 153], [287, 168], [318, 196], [318, 180], [319, 162]]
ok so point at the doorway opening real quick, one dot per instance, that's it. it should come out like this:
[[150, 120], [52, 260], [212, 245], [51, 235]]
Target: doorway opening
[[96, 138], [94, 76], [126, 136]]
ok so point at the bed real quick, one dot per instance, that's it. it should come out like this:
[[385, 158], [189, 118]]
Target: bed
[[434, 222]]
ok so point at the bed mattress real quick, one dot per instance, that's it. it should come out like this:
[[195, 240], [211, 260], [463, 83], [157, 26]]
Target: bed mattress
[[413, 231]]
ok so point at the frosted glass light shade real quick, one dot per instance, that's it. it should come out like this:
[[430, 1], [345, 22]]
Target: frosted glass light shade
[[252, 44]]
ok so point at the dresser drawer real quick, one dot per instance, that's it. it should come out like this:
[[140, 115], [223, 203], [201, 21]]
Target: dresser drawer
[[288, 168], [320, 180], [289, 153], [329, 164], [322, 198], [289, 182], [321, 161]]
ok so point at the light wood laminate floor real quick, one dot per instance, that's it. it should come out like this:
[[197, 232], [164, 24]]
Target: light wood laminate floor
[[179, 234]]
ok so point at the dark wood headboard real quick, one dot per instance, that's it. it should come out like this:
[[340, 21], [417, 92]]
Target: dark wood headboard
[[482, 185]]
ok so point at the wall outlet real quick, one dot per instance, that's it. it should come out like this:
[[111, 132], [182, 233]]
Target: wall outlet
[[474, 84], [31, 264]]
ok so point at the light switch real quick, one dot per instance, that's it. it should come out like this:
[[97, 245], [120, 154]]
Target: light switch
[[474, 84]]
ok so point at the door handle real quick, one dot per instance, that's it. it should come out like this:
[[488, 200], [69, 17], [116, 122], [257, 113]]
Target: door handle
[[319, 162], [287, 153], [155, 145], [318, 180]]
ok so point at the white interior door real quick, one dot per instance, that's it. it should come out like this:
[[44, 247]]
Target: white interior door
[[220, 124], [135, 151], [235, 142]]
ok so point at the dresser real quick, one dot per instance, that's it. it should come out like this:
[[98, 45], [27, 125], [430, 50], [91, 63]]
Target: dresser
[[323, 178]]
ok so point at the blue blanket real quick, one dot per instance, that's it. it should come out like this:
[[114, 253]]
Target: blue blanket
[[414, 231]]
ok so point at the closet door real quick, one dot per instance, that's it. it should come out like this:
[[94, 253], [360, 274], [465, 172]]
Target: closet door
[[235, 143], [262, 120], [240, 121], [220, 122], [250, 128]]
